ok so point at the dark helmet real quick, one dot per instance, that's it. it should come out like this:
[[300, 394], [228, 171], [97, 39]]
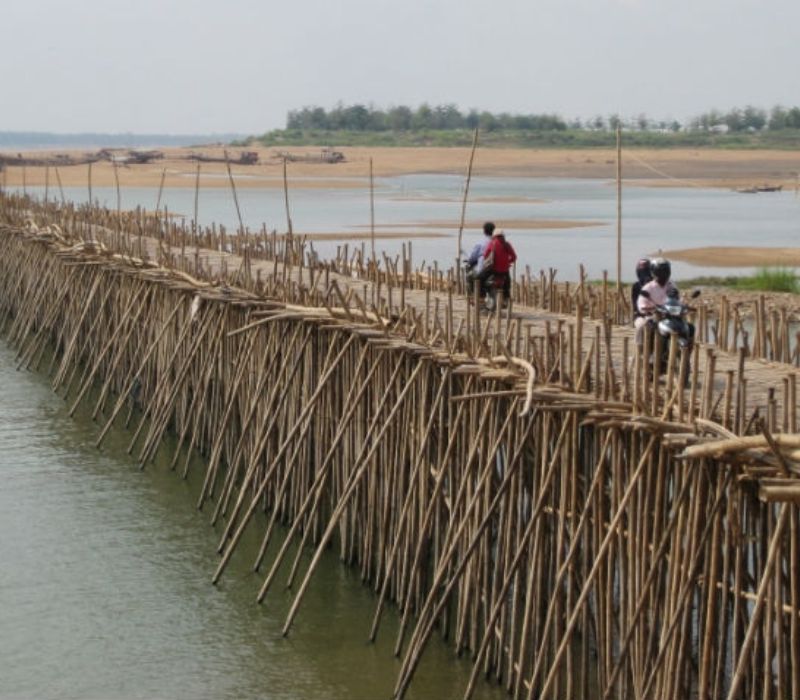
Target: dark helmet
[[660, 267], [643, 273]]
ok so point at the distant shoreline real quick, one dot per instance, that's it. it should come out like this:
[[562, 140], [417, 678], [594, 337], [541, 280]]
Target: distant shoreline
[[16, 141]]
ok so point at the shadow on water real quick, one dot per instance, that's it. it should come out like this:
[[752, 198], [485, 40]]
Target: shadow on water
[[105, 585]]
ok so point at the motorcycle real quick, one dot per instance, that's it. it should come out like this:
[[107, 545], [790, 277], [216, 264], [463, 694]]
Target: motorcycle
[[670, 320], [495, 286], [490, 288]]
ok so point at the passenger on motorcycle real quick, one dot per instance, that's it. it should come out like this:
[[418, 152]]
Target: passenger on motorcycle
[[643, 276], [659, 289], [498, 258], [474, 263]]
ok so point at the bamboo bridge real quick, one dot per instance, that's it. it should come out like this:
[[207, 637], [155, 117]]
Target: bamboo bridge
[[519, 484]]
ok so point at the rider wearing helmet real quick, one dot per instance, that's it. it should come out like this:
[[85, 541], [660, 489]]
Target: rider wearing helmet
[[659, 289], [643, 276], [474, 263]]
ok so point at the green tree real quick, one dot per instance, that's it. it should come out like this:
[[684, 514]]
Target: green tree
[[754, 118], [399, 118], [488, 121], [793, 118], [734, 120], [448, 117], [472, 119], [423, 118], [777, 118], [356, 118]]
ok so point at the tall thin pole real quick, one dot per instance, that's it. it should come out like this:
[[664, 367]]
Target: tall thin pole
[[60, 188], [372, 211], [242, 243], [464, 207], [619, 208], [233, 190], [160, 190], [119, 195], [286, 200], [194, 219], [119, 207], [196, 197]]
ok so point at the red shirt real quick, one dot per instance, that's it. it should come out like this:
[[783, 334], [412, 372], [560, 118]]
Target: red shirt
[[504, 254]]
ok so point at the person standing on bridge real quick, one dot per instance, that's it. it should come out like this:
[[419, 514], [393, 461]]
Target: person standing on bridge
[[474, 262]]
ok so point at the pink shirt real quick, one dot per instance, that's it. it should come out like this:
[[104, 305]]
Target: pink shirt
[[658, 296]]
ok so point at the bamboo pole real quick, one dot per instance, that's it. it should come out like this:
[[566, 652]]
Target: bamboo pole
[[289, 229], [372, 218], [755, 618], [619, 212], [464, 209]]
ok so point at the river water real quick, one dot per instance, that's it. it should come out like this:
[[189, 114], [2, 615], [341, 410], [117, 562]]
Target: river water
[[105, 592], [654, 218]]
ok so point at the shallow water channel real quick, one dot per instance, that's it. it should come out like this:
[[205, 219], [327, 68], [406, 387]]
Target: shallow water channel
[[654, 218], [105, 592]]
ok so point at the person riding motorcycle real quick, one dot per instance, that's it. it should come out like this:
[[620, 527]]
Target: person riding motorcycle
[[658, 289], [643, 276], [671, 324], [474, 263], [498, 258]]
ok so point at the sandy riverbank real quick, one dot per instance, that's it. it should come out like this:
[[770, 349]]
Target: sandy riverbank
[[737, 256], [649, 167], [509, 224]]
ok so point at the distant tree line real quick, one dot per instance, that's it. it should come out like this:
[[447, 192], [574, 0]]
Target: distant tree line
[[425, 117], [749, 119], [447, 117]]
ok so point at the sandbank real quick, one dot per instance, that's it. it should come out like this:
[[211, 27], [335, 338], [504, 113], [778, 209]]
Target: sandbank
[[365, 235], [737, 256], [510, 224], [663, 167], [479, 200]]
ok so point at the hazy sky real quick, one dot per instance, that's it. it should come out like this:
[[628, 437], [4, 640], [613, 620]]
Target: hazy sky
[[198, 66]]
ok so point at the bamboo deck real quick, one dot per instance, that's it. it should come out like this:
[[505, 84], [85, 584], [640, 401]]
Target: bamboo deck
[[518, 484]]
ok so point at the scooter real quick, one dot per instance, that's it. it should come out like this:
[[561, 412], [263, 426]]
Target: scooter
[[487, 291], [495, 286], [671, 321], [490, 290]]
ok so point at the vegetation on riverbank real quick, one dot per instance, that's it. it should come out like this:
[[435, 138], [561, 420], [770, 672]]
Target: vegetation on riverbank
[[766, 279], [446, 125], [788, 139]]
